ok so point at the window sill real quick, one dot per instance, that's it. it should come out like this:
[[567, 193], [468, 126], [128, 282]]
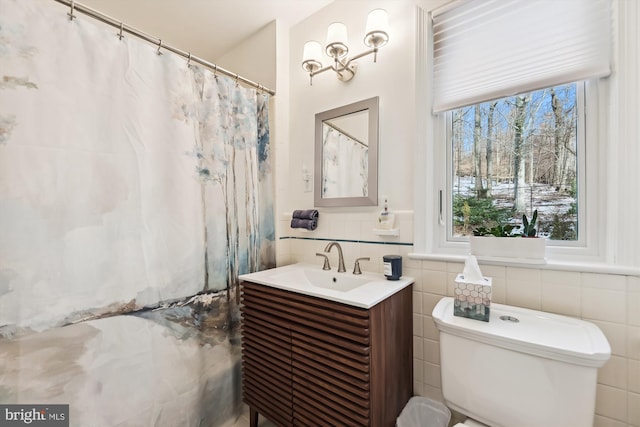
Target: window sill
[[584, 267]]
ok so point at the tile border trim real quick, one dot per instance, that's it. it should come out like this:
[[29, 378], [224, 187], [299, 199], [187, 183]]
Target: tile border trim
[[326, 239]]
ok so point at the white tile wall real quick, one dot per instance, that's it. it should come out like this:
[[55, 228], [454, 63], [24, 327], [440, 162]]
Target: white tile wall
[[633, 375], [604, 298], [633, 405], [612, 302], [611, 402], [633, 301], [561, 292], [524, 288], [614, 373]]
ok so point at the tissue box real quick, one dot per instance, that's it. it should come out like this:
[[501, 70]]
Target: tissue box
[[472, 300]]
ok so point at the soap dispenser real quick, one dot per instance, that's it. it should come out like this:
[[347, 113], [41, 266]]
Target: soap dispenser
[[386, 218]]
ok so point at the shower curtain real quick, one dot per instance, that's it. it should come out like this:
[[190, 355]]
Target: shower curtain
[[345, 165], [134, 189]]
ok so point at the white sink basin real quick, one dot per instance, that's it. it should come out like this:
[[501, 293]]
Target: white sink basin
[[363, 290], [328, 279]]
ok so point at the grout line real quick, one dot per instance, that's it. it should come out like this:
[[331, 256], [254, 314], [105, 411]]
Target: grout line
[[326, 239]]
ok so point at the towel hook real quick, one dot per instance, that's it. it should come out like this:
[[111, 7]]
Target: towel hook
[[159, 47], [73, 8], [120, 34]]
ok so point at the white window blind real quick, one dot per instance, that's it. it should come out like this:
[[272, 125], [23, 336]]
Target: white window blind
[[489, 49]]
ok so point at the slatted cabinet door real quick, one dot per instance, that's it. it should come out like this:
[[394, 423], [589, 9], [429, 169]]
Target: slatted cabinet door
[[266, 356], [333, 364]]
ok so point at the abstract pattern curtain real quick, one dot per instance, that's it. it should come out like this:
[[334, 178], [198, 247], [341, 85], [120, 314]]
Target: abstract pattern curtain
[[134, 189], [345, 165]]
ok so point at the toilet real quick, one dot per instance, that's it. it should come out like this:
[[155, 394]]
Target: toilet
[[523, 368]]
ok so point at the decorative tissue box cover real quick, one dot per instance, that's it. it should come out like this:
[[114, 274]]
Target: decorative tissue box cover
[[472, 300]]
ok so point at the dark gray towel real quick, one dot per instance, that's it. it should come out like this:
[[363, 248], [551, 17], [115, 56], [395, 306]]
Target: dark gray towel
[[309, 224], [306, 214]]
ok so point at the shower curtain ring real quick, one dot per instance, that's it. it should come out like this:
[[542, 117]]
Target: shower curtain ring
[[120, 34], [73, 7], [159, 47], [189, 60], [215, 70], [236, 79]]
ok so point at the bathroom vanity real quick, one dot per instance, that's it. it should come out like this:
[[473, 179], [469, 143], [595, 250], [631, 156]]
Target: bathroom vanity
[[311, 360]]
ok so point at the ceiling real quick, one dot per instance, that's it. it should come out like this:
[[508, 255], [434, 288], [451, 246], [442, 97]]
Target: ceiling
[[206, 28]]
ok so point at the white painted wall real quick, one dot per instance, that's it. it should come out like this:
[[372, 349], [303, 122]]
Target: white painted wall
[[255, 58], [391, 78]]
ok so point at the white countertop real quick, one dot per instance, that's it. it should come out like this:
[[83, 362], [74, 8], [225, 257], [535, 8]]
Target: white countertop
[[364, 290]]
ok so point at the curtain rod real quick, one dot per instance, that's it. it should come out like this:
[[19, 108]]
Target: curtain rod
[[348, 135], [124, 28]]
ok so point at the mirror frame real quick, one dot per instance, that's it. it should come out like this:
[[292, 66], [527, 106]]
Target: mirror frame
[[370, 104]]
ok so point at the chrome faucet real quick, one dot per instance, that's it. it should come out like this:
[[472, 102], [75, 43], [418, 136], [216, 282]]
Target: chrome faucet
[[341, 268]]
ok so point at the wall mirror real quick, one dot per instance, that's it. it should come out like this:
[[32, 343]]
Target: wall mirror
[[346, 155]]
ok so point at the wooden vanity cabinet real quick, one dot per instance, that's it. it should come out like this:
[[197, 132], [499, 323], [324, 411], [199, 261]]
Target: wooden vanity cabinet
[[312, 362]]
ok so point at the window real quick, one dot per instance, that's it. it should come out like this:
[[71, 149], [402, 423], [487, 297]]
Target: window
[[513, 156], [476, 55]]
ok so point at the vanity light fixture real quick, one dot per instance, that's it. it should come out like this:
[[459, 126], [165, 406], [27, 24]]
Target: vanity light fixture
[[376, 36]]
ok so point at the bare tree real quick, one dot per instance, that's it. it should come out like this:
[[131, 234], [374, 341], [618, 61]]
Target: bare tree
[[458, 123], [489, 153], [563, 132], [556, 178], [518, 152], [477, 158]]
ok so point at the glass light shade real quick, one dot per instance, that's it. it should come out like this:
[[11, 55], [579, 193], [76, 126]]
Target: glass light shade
[[312, 56], [337, 40], [377, 29]]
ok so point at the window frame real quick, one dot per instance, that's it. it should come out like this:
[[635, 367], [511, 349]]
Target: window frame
[[580, 169], [612, 243], [590, 166]]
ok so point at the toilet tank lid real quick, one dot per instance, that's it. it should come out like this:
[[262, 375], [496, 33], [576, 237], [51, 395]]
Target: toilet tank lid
[[535, 332]]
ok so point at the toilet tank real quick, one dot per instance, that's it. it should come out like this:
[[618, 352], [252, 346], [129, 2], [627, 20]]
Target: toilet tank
[[523, 368]]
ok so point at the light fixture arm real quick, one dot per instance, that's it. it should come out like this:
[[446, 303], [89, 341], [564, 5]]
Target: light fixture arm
[[345, 68], [368, 52]]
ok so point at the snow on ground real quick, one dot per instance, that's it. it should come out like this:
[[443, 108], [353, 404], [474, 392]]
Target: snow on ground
[[542, 197]]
